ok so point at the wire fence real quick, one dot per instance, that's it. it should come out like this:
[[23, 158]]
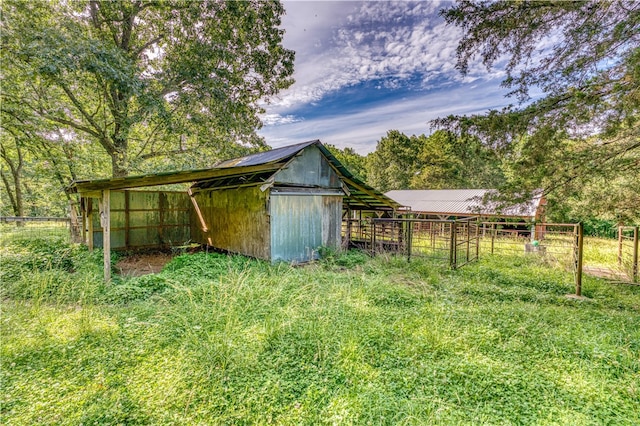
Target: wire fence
[[450, 242], [29, 228], [556, 243], [455, 243], [628, 251]]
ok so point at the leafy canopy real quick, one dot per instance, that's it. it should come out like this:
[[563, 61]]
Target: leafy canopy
[[145, 80], [583, 57], [438, 161]]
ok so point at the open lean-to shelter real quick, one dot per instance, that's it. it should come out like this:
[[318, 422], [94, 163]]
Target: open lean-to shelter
[[284, 204]]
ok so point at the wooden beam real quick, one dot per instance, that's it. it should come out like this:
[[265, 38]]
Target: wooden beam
[[84, 187], [83, 211], [90, 223], [127, 218], [105, 219]]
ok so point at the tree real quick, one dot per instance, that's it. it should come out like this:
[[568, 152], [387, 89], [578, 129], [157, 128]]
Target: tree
[[584, 57], [394, 162], [147, 79], [441, 160], [349, 158]]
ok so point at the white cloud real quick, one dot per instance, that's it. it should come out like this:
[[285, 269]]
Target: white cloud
[[277, 119], [361, 130], [397, 45], [341, 44]]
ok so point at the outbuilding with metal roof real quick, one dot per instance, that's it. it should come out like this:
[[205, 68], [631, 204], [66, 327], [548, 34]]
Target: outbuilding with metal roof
[[282, 204]]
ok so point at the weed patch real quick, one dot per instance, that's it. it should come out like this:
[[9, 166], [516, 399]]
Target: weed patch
[[216, 339]]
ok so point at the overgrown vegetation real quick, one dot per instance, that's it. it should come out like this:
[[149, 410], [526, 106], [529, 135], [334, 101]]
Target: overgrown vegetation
[[217, 339]]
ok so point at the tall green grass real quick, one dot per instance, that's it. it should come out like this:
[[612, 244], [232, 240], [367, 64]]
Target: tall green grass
[[217, 339]]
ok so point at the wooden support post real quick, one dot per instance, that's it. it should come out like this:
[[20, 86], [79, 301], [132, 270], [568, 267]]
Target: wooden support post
[[620, 240], [409, 239], [90, 223], [634, 278], [83, 211], [452, 246], [373, 237], [468, 242], [579, 244], [127, 219], [348, 239], [105, 219]]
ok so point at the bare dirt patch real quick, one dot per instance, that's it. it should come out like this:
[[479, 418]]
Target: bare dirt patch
[[606, 273], [139, 264]]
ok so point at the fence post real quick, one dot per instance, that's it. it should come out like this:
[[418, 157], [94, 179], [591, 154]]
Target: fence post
[[620, 239], [635, 254], [579, 242], [409, 239], [452, 246], [468, 241], [373, 236], [477, 240], [493, 236]]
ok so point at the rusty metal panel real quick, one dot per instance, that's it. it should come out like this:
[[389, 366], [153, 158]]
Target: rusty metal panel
[[144, 218], [309, 168], [301, 224], [332, 221], [117, 200], [143, 200], [235, 220]]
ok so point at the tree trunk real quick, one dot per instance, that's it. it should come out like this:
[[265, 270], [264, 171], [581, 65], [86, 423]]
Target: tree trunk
[[119, 164]]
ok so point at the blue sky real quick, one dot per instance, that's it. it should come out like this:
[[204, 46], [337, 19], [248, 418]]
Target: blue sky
[[363, 68]]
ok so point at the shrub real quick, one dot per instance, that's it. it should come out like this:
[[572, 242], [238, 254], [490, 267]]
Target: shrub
[[600, 228]]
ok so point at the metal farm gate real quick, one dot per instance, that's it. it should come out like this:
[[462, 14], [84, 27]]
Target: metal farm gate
[[455, 243], [451, 242], [628, 252]]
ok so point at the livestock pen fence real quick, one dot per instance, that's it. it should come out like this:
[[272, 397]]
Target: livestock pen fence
[[26, 227], [457, 242]]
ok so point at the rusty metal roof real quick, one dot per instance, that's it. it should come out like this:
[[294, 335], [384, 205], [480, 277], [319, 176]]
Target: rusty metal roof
[[454, 202], [253, 168], [266, 157]]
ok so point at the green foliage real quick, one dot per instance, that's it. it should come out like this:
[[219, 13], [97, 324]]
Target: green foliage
[[394, 162], [225, 339], [600, 228], [49, 269], [580, 138], [349, 158], [145, 82], [348, 259], [37, 254], [438, 161]]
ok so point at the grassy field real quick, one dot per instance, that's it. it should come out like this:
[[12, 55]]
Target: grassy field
[[216, 339]]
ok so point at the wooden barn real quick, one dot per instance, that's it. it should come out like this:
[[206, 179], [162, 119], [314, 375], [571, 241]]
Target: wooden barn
[[284, 204]]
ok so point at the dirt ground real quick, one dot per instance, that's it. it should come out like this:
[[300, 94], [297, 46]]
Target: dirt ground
[[606, 273], [139, 264]]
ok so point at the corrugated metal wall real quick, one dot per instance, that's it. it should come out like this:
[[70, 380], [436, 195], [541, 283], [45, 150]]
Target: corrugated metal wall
[[301, 224], [236, 220], [309, 168], [145, 219]]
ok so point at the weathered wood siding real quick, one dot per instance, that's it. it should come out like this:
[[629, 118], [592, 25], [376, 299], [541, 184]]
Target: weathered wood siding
[[302, 223], [309, 168], [145, 219], [236, 220]]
